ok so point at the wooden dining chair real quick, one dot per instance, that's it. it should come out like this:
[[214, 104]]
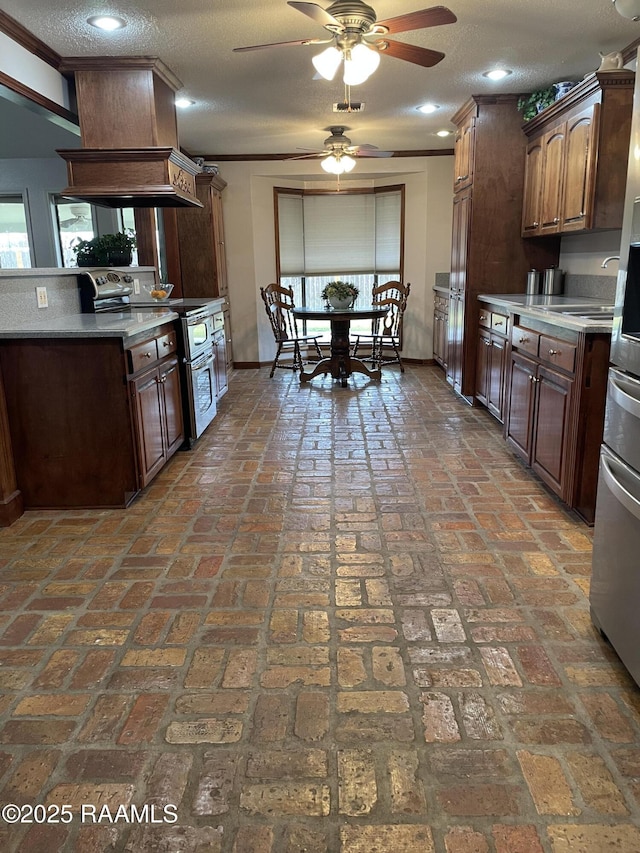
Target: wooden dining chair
[[385, 338], [279, 305]]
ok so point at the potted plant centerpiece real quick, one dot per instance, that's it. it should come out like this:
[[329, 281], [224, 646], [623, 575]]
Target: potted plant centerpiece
[[340, 294], [108, 250]]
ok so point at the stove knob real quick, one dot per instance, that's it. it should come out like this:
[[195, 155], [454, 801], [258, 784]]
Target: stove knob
[[127, 279]]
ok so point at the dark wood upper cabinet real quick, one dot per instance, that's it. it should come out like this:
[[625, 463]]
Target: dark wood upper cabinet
[[576, 159]]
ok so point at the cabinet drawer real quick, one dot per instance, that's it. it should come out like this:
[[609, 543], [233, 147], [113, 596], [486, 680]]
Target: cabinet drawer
[[484, 317], [441, 303], [499, 323], [525, 340], [142, 355], [167, 344], [557, 352]]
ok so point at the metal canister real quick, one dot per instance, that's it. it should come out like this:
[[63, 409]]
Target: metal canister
[[552, 282], [533, 282]]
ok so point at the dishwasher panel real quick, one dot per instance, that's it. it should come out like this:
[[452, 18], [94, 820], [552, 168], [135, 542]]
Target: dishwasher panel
[[615, 580]]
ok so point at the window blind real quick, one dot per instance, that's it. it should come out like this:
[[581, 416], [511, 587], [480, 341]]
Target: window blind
[[336, 234]]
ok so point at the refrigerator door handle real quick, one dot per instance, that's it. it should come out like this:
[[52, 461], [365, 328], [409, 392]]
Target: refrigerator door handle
[[628, 500], [623, 392]]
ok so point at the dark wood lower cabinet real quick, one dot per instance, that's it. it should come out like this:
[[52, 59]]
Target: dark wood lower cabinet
[[538, 419], [79, 438], [555, 394], [158, 417]]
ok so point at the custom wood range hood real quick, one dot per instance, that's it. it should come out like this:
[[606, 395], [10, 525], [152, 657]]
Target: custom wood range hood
[[129, 132]]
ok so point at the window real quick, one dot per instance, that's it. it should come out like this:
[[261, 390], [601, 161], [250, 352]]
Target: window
[[14, 239], [73, 222], [354, 236], [128, 225]]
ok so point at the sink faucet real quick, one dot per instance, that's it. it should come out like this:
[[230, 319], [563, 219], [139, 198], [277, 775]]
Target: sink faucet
[[610, 258]]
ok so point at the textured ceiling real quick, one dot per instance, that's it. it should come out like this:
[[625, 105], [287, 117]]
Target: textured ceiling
[[267, 102]]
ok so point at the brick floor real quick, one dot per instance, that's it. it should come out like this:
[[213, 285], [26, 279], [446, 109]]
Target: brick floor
[[348, 622]]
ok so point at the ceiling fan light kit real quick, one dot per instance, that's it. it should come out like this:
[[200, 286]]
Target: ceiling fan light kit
[[628, 8], [337, 164]]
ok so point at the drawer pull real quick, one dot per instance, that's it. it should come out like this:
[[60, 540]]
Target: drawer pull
[[554, 352], [148, 355], [524, 340], [536, 224], [483, 316], [499, 323], [555, 220]]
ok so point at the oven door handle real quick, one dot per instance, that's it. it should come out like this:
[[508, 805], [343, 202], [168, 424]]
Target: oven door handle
[[201, 362], [621, 494], [625, 392]]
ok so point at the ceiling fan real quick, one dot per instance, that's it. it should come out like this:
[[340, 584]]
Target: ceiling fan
[[359, 40], [338, 154], [81, 215]]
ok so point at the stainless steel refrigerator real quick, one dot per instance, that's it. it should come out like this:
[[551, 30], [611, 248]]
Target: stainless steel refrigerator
[[615, 582]]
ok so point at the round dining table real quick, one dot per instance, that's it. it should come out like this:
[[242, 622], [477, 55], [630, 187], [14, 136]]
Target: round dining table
[[340, 364]]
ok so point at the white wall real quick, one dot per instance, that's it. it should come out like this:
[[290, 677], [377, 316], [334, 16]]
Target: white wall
[[250, 238]]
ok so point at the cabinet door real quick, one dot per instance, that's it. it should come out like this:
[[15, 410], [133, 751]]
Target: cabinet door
[[171, 406], [482, 366], [440, 337], [579, 171], [519, 430], [220, 361], [464, 154], [552, 172], [455, 340], [219, 246], [495, 375], [460, 241], [149, 421], [549, 449], [532, 189]]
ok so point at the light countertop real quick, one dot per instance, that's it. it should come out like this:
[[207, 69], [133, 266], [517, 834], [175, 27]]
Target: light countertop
[[545, 308], [115, 324]]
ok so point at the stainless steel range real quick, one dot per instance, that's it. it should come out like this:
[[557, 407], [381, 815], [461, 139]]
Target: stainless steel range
[[112, 290]]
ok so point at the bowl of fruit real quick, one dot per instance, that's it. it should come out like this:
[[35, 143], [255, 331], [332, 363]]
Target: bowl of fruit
[[159, 292]]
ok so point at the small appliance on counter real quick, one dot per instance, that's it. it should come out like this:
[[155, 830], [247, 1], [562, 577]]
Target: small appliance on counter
[[553, 281], [533, 282]]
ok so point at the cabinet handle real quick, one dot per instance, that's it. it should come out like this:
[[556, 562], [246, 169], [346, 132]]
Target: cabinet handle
[[483, 317], [166, 343], [499, 323], [555, 220], [147, 355], [554, 352], [486, 342], [533, 379], [536, 224], [524, 340]]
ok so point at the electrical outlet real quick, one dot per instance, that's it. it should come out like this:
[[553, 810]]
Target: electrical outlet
[[41, 297], [136, 285]]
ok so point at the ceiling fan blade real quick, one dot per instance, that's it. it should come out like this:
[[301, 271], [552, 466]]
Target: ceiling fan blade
[[372, 151], [434, 17], [412, 53], [317, 13], [281, 44]]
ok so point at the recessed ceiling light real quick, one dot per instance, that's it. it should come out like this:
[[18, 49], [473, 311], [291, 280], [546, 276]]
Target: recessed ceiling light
[[428, 108], [107, 22], [497, 73], [444, 133], [183, 103]]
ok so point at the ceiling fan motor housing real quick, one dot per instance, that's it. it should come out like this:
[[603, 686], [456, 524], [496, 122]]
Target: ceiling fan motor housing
[[353, 15]]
